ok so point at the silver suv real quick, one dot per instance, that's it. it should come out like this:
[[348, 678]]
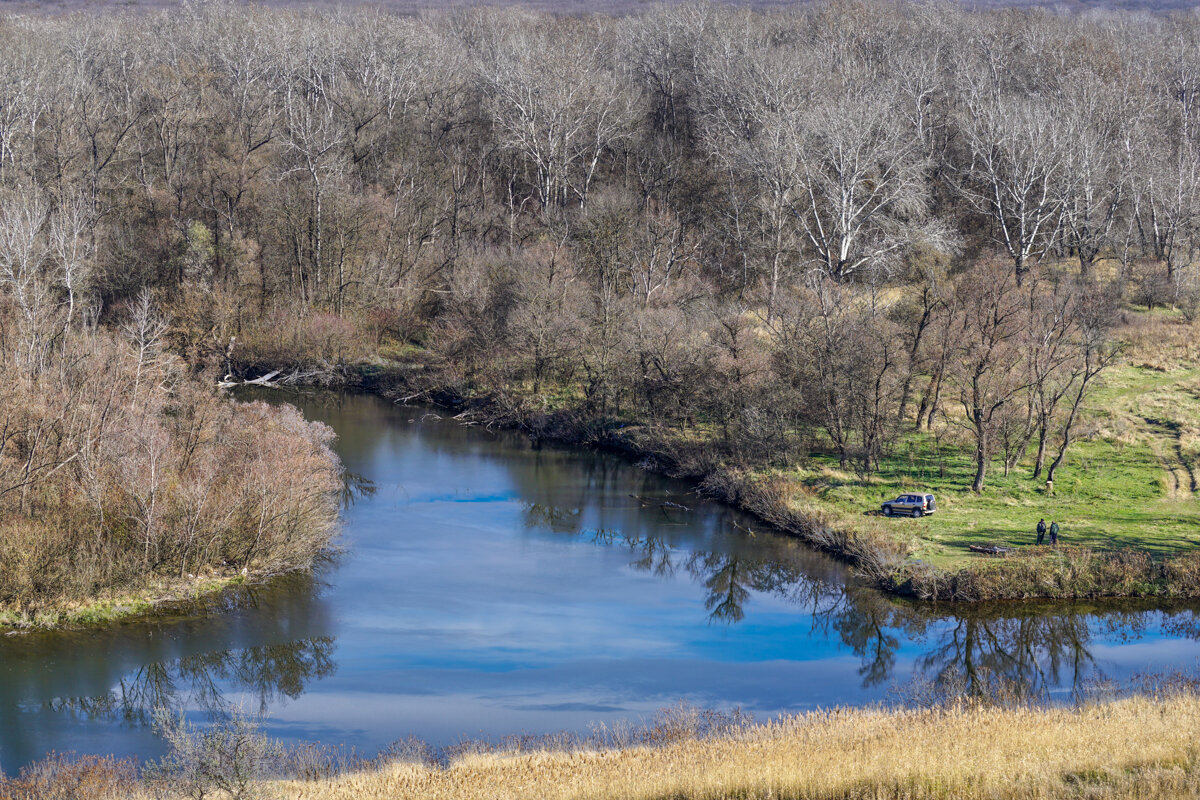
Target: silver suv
[[917, 505]]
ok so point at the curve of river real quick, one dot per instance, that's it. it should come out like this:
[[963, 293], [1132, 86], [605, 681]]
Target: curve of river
[[488, 587]]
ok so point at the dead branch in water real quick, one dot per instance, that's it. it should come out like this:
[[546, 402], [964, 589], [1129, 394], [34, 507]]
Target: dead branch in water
[[659, 504]]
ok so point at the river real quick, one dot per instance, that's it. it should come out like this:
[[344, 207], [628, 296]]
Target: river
[[486, 586]]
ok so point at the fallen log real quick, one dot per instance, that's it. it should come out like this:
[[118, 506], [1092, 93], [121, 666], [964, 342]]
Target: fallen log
[[991, 549]]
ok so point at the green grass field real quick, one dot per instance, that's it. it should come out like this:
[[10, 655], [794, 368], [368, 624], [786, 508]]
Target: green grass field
[[1129, 481]]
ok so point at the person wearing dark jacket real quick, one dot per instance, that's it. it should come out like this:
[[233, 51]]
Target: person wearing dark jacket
[[1041, 531], [1053, 533]]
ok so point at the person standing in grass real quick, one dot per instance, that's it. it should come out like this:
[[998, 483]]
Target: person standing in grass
[[1053, 534], [1041, 530]]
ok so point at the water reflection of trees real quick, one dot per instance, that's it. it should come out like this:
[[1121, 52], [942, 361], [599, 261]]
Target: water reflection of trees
[[204, 681], [1024, 655], [1021, 650], [355, 486], [271, 641]]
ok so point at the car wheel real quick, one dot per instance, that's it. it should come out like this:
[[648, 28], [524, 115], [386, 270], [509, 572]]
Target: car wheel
[[887, 511], [917, 512]]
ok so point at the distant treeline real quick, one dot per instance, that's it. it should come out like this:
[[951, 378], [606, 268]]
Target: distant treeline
[[795, 229]]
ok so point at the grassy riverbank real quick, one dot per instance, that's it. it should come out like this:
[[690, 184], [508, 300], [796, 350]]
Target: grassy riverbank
[[1139, 747], [158, 597], [1125, 496], [1130, 483]]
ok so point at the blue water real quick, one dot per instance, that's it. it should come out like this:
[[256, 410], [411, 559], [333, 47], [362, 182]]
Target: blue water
[[486, 587]]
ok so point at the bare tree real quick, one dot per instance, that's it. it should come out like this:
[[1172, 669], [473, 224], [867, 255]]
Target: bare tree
[[101, 84], [24, 255], [916, 319], [660, 252], [862, 189], [663, 47], [315, 141], [1096, 352], [753, 97], [557, 103], [1051, 359], [1173, 152], [983, 367], [145, 330], [1091, 181], [1015, 146], [1166, 181], [71, 245], [21, 104]]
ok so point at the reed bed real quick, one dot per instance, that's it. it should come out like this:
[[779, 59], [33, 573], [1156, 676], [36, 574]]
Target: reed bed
[[1131, 748]]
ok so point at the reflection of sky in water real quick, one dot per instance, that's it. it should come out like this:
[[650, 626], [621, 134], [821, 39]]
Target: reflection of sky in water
[[490, 588]]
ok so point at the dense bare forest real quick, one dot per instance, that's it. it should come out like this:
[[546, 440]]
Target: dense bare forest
[[797, 230]]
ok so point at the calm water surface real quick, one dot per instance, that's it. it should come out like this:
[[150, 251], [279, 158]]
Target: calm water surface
[[488, 587]]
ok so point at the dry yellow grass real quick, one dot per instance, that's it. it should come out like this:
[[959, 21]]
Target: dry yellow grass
[[1132, 748], [1159, 340]]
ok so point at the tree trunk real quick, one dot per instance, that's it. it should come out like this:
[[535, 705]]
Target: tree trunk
[[1040, 462], [936, 401], [906, 390], [980, 461], [1058, 459], [1067, 429]]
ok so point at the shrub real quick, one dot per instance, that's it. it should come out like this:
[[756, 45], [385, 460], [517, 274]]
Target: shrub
[[1153, 287], [118, 471], [232, 757], [313, 342], [66, 776]]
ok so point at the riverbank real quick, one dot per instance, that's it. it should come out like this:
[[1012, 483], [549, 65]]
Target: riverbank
[[960, 753], [1141, 747], [162, 598], [888, 553]]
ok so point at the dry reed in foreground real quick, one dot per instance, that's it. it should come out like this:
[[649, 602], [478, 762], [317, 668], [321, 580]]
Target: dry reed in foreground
[[1138, 747]]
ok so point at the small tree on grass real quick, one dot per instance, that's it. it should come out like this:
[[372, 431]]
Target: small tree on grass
[[1097, 352], [984, 366]]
